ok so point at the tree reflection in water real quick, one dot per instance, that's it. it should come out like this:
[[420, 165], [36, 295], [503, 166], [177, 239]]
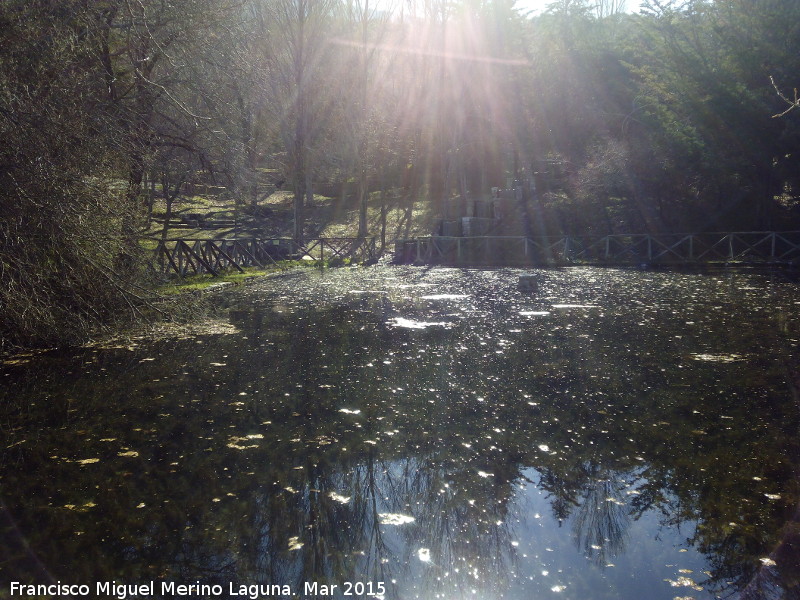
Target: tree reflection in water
[[325, 442], [602, 517]]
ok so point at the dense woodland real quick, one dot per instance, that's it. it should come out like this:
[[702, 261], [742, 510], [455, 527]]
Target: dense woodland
[[677, 118]]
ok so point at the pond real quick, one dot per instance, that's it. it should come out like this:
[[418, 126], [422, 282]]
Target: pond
[[411, 432]]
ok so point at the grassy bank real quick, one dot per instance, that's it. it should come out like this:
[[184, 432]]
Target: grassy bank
[[200, 283]]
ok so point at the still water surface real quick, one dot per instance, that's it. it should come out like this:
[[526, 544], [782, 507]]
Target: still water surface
[[617, 434]]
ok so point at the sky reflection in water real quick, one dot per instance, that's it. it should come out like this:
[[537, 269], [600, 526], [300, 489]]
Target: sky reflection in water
[[618, 434]]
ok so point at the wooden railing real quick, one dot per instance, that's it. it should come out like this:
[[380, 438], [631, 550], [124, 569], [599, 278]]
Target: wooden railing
[[211, 256], [750, 246]]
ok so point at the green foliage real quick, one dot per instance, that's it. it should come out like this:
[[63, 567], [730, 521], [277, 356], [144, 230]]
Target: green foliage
[[685, 90], [197, 283]]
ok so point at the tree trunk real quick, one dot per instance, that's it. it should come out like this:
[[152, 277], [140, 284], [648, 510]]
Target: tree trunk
[[363, 196], [363, 118], [299, 198]]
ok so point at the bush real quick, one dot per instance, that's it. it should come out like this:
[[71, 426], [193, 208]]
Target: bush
[[69, 259]]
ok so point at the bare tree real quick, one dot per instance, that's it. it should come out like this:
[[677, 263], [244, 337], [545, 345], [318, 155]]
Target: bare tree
[[149, 71], [65, 263], [608, 8], [296, 72], [360, 61]]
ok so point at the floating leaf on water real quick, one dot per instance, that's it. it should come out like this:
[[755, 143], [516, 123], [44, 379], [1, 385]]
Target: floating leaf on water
[[534, 313], [410, 324], [445, 297], [773, 496], [558, 588], [350, 411], [295, 543], [395, 519], [424, 554], [131, 453], [684, 582], [141, 505], [338, 498], [544, 447], [767, 562], [575, 306], [484, 474], [16, 361], [721, 358], [88, 461], [234, 442]]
